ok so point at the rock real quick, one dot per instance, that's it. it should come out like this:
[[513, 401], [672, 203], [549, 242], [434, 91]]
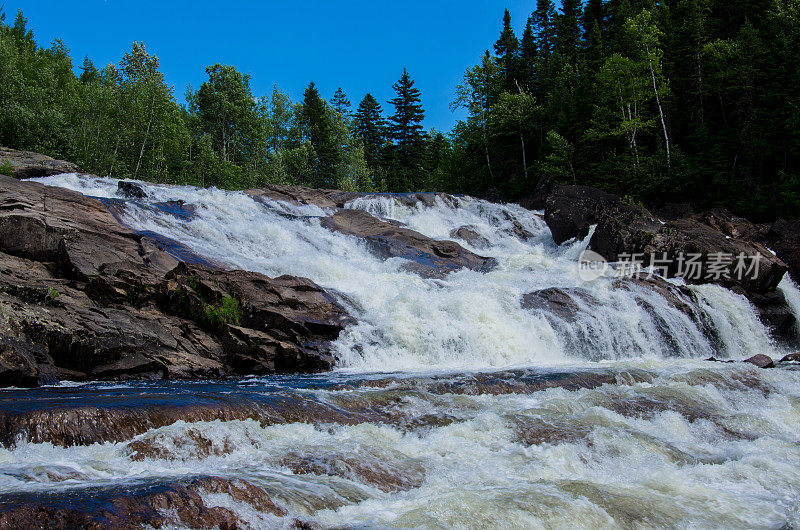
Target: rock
[[761, 361], [429, 258], [130, 190], [283, 324], [538, 199], [571, 210], [303, 195], [27, 164], [775, 313], [624, 231], [471, 236], [159, 505], [783, 237], [731, 225], [558, 302], [791, 358], [83, 297]]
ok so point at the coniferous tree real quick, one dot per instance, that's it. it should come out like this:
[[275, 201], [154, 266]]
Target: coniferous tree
[[527, 57], [370, 126], [568, 29], [507, 50], [406, 130], [340, 103], [319, 127]]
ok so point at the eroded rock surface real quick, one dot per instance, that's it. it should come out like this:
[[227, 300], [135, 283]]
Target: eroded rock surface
[[83, 297], [429, 258]]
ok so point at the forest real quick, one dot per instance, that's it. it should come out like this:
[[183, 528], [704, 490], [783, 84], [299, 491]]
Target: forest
[[675, 101]]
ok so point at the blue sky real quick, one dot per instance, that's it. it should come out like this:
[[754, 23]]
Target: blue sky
[[357, 44]]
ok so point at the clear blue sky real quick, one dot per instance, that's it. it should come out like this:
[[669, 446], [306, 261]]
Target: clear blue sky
[[360, 45]]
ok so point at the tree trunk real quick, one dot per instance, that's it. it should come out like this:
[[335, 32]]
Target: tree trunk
[[146, 133]]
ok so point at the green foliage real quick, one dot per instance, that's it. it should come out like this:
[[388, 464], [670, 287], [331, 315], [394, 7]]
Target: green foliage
[[51, 296], [6, 168], [227, 311]]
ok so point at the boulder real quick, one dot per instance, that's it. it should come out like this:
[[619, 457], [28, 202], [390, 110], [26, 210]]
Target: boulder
[[557, 302], [761, 361], [791, 358], [303, 195], [83, 297], [470, 235], [130, 190], [571, 210], [27, 164], [783, 237], [627, 232], [429, 258]]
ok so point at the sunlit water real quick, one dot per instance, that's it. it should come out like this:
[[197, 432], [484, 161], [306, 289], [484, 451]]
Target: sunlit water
[[461, 431]]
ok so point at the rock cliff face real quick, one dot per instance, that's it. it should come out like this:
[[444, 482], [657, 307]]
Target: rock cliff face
[[83, 297]]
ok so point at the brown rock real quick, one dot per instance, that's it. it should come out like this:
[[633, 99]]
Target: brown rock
[[470, 235], [791, 358], [28, 164], [429, 258], [761, 360]]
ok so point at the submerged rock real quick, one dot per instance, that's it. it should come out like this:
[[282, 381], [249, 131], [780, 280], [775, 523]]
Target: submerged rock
[[561, 303], [429, 258], [791, 358], [27, 164]]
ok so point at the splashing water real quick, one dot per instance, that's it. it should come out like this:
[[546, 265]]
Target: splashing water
[[603, 415], [469, 320]]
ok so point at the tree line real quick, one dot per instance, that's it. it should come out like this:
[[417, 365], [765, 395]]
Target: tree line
[[660, 101]]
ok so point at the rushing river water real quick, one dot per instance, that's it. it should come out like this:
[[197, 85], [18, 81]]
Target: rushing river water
[[453, 406]]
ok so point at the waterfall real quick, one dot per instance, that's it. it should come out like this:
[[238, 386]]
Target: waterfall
[[469, 320], [521, 397]]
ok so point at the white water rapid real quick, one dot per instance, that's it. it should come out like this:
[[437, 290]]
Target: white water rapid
[[452, 405]]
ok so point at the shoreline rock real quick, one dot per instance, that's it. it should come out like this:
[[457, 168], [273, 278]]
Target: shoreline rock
[[83, 297]]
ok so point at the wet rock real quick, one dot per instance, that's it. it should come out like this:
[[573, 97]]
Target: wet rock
[[776, 315], [537, 200], [27, 164], [558, 302], [303, 195], [791, 358], [178, 504], [429, 258], [761, 361], [624, 230], [571, 210], [784, 238], [470, 235], [130, 190], [93, 300]]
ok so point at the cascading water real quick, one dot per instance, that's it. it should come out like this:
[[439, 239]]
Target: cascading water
[[493, 415]]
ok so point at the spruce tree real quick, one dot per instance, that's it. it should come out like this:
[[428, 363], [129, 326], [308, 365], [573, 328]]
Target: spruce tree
[[527, 57], [340, 103], [406, 131], [569, 31], [507, 50], [319, 128], [370, 126]]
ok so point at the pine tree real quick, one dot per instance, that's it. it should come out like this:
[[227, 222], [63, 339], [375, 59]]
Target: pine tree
[[319, 128], [507, 50], [89, 73], [527, 57], [340, 103], [406, 131], [370, 126], [569, 31]]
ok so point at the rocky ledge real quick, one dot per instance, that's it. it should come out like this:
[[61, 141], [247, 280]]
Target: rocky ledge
[[83, 297], [27, 164], [714, 239]]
